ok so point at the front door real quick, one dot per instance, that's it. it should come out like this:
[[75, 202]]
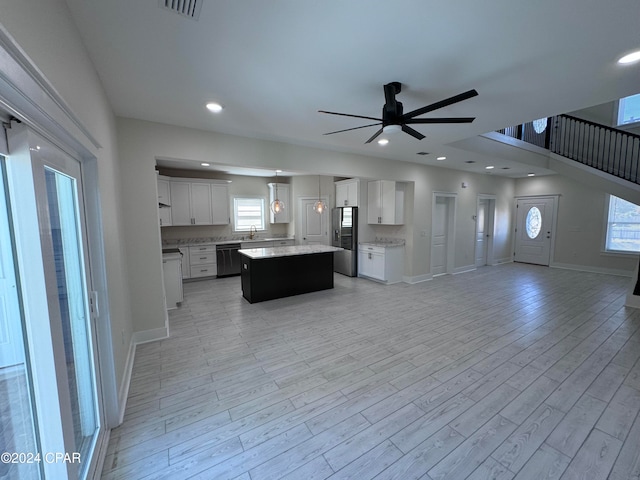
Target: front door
[[534, 229], [314, 227]]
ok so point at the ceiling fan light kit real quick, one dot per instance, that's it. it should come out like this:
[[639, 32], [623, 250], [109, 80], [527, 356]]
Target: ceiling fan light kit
[[394, 120]]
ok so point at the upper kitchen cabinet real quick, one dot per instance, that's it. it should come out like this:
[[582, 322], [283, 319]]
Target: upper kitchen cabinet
[[199, 203], [385, 202], [347, 192], [220, 204], [283, 195], [164, 202]]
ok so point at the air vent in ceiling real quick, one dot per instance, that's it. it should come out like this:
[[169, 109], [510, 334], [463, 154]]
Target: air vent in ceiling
[[186, 8], [422, 153]]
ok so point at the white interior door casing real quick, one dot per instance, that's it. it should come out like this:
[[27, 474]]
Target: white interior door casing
[[535, 221]]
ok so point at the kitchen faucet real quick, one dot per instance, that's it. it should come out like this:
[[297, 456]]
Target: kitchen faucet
[[253, 231]]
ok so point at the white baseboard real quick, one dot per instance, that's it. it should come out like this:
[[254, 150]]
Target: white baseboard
[[632, 301], [137, 338], [464, 269], [586, 268], [500, 261], [126, 380], [418, 278], [152, 335]]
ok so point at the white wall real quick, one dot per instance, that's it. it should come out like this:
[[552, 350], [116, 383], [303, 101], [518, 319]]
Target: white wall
[[45, 31], [141, 142], [581, 215]]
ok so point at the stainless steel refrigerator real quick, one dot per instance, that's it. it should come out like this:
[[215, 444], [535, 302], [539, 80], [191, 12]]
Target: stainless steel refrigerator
[[344, 221]]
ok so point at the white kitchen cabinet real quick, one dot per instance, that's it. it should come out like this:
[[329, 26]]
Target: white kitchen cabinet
[[199, 203], [172, 277], [285, 242], [385, 202], [181, 203], [284, 197], [201, 211], [202, 261], [164, 202], [220, 205], [382, 263], [347, 193], [186, 264]]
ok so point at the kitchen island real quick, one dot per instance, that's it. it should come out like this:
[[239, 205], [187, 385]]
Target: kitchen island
[[276, 272]]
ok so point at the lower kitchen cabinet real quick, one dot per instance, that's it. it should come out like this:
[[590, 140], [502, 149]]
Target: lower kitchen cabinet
[[382, 263], [172, 274], [202, 261]]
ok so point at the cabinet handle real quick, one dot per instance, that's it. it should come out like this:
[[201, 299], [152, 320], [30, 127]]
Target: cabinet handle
[[346, 202], [203, 258], [203, 248], [369, 256], [202, 271]]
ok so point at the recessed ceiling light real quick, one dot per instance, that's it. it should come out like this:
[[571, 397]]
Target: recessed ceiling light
[[630, 58], [489, 167], [441, 158], [278, 171], [531, 174], [383, 142], [205, 164], [214, 107]]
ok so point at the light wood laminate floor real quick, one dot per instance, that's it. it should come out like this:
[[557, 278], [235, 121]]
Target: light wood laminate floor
[[515, 371]]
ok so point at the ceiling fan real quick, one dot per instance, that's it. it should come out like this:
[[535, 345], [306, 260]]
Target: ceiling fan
[[393, 120]]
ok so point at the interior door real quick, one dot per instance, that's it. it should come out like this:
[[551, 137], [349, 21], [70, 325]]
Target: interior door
[[314, 227], [534, 223], [439, 240], [482, 232]]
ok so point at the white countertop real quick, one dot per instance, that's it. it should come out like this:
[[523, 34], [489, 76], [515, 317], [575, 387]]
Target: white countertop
[[256, 253], [209, 242], [385, 243]]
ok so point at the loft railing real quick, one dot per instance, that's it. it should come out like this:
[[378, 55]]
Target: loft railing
[[604, 148], [536, 133]]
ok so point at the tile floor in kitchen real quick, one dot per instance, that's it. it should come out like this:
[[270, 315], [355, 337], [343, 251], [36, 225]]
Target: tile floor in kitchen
[[509, 371]]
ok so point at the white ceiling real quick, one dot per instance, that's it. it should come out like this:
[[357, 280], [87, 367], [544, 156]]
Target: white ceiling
[[273, 64]]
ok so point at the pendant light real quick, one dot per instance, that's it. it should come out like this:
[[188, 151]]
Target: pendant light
[[319, 207], [277, 206]]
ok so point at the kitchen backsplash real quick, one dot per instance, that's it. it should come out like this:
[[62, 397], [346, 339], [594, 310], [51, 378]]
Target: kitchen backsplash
[[212, 233]]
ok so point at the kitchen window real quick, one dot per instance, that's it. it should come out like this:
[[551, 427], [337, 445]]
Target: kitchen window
[[623, 226], [249, 212]]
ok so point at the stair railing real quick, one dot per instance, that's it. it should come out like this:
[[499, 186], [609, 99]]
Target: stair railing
[[610, 150], [607, 149]]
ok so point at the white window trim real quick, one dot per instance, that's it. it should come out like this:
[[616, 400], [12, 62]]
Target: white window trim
[[605, 233], [265, 212], [616, 117]]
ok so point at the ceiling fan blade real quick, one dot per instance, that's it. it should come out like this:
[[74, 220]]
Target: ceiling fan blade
[[374, 136], [355, 128], [442, 120], [349, 115], [440, 104], [412, 132]]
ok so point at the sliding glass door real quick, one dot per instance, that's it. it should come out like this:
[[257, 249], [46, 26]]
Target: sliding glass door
[[17, 413], [53, 325], [63, 229]]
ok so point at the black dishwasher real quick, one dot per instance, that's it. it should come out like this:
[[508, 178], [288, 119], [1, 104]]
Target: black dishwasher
[[228, 259]]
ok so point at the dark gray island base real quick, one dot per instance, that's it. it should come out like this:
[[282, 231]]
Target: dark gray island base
[[269, 273]]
